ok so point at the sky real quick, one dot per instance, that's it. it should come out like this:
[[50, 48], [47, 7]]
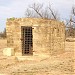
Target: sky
[[16, 8]]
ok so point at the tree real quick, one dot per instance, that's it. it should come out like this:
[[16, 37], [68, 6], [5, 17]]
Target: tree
[[73, 10], [71, 24], [3, 34], [40, 11]]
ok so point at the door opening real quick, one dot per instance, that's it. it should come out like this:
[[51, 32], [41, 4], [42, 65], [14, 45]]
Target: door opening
[[27, 40]]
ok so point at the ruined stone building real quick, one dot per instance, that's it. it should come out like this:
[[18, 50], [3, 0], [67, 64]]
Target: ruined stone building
[[34, 36]]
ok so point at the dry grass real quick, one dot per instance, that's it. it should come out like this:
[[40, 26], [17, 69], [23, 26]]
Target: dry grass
[[62, 64]]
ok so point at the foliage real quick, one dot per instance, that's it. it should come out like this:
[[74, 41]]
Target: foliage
[[70, 32], [12, 18], [3, 34]]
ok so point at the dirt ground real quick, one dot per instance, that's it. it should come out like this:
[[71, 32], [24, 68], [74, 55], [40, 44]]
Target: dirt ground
[[62, 64]]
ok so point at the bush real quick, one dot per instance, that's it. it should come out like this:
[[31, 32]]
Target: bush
[[3, 34]]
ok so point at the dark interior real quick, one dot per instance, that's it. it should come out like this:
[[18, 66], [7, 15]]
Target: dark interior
[[27, 43]]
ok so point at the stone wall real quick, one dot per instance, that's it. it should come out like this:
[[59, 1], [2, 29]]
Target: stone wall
[[48, 35]]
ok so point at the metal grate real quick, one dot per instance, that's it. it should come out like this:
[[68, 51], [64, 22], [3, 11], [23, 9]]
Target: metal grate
[[27, 43]]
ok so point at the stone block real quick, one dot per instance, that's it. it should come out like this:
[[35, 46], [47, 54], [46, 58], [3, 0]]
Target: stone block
[[8, 51]]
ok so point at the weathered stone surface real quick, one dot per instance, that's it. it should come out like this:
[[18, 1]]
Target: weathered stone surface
[[8, 51], [48, 35]]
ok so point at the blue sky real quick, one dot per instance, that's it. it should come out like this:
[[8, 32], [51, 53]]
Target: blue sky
[[16, 8]]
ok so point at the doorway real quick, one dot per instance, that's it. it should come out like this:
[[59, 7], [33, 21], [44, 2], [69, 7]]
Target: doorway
[[27, 40]]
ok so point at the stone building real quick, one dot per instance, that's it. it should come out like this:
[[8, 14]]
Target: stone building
[[33, 36]]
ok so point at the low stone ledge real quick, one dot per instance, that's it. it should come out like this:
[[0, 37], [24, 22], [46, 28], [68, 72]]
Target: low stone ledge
[[8, 51], [70, 39]]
